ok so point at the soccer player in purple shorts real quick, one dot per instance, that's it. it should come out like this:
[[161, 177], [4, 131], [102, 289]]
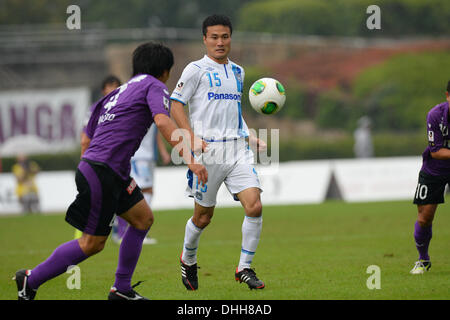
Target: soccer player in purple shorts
[[117, 125], [433, 177]]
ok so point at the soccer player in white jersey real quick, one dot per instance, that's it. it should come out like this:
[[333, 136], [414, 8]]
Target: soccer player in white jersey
[[212, 88]]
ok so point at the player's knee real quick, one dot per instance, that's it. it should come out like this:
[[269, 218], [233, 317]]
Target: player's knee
[[143, 223], [91, 246], [425, 216], [202, 221], [424, 220], [148, 222], [254, 210]]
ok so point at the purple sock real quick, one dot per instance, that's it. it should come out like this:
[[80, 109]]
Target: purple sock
[[129, 252], [122, 227], [65, 255], [422, 235]]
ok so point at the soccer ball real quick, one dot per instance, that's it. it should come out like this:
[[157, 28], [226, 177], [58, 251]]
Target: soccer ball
[[267, 96]]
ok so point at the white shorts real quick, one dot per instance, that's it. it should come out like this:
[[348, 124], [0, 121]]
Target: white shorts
[[231, 162], [142, 172]]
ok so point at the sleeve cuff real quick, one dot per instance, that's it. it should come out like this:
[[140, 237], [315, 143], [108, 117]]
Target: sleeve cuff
[[184, 103]]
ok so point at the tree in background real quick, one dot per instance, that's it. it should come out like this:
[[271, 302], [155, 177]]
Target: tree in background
[[118, 14], [346, 17]]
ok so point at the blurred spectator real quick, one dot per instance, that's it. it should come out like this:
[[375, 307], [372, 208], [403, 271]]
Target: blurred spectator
[[109, 84], [25, 172], [363, 147]]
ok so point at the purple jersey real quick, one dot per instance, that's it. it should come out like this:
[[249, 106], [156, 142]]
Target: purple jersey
[[437, 126], [120, 120]]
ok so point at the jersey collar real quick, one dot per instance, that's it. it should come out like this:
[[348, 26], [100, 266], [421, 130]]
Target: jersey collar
[[211, 61]]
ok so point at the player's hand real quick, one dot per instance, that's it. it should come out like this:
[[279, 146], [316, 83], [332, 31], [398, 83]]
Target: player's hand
[[200, 171], [257, 144], [199, 145], [261, 145], [166, 159]]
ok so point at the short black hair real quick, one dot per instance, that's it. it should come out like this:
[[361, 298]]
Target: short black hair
[[111, 80], [448, 86], [153, 59], [214, 20]]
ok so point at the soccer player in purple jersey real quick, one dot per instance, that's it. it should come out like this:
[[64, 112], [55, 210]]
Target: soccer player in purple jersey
[[433, 177], [109, 84], [117, 125]]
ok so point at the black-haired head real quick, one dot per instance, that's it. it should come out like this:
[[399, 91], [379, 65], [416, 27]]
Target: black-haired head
[[214, 20], [153, 59], [111, 80]]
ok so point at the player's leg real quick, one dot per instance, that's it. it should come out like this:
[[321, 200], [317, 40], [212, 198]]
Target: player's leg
[[194, 228], [252, 225], [64, 256], [251, 232], [423, 232], [429, 193], [242, 182], [188, 259], [140, 217], [67, 254], [422, 235], [91, 212], [148, 195], [205, 201], [142, 172]]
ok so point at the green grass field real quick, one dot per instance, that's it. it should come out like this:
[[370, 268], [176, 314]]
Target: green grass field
[[305, 252]]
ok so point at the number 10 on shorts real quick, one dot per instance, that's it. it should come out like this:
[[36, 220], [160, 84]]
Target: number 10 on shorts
[[421, 191]]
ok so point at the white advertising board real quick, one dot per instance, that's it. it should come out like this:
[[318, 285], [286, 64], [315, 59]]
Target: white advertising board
[[377, 179], [41, 121], [299, 182], [57, 190], [291, 183]]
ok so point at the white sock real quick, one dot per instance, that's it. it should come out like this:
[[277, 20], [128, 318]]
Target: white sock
[[190, 245], [251, 231], [148, 198]]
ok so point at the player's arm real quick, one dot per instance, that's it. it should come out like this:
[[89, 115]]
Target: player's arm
[[165, 155], [179, 115], [166, 126], [85, 141], [436, 139], [441, 154]]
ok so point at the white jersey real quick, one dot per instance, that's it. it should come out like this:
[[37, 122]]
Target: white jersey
[[148, 148], [213, 92]]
